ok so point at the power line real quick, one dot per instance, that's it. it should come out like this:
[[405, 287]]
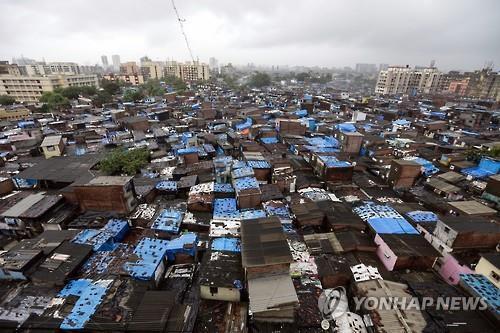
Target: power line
[[182, 30]]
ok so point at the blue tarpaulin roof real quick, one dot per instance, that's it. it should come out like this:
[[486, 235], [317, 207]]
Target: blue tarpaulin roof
[[185, 151], [118, 228], [167, 185], [252, 214], [90, 295], [186, 244], [223, 188], [323, 141], [100, 240], [269, 140], [422, 216], [391, 226], [333, 162], [226, 244], [260, 164], [401, 122], [429, 168], [225, 209], [169, 220], [484, 289], [487, 167], [301, 113], [151, 252], [246, 124], [245, 183], [346, 127]]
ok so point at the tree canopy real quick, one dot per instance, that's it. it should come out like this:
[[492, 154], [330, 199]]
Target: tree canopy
[[133, 95], [152, 88], [54, 101], [75, 92], [476, 154], [101, 97], [7, 100], [111, 87], [121, 161], [176, 83], [259, 80]]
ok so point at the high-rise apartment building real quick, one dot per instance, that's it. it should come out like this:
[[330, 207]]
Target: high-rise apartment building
[[152, 69], [189, 71], [214, 64], [115, 58], [366, 68], [406, 80], [129, 68], [31, 88], [104, 60]]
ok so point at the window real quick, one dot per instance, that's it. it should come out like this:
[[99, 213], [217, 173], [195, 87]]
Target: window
[[51, 148], [446, 229], [214, 290], [495, 276]]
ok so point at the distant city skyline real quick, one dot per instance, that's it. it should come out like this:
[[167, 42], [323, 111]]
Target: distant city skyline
[[318, 33]]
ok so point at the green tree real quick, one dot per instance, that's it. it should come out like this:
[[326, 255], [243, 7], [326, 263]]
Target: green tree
[[69, 92], [122, 161], [102, 97], [133, 95], [7, 100], [176, 83], [301, 77], [74, 92], [111, 87], [476, 154], [54, 101], [259, 80], [152, 88]]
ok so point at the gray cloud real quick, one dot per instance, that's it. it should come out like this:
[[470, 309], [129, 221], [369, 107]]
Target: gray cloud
[[458, 34]]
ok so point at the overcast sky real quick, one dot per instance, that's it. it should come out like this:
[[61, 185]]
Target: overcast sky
[[458, 34]]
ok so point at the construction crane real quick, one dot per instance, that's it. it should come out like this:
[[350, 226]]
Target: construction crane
[[181, 21]]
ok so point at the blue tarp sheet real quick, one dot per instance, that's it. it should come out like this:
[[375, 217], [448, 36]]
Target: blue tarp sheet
[[185, 244], [422, 216], [333, 162], [151, 252], [346, 127], [226, 244], [487, 167], [269, 140], [484, 288], [391, 226], [169, 220], [90, 295]]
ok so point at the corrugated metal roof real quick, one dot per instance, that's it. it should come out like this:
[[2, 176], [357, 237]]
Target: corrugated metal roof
[[23, 205], [51, 141], [271, 293]]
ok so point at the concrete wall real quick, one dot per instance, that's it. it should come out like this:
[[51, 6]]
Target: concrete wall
[[223, 294], [488, 269], [450, 269], [385, 254]]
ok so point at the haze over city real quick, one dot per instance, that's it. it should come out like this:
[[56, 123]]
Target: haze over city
[[459, 35]]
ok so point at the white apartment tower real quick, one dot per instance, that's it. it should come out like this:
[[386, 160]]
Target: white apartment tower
[[406, 80], [115, 58]]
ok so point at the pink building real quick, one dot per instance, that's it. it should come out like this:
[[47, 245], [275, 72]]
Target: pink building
[[405, 251], [450, 269]]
